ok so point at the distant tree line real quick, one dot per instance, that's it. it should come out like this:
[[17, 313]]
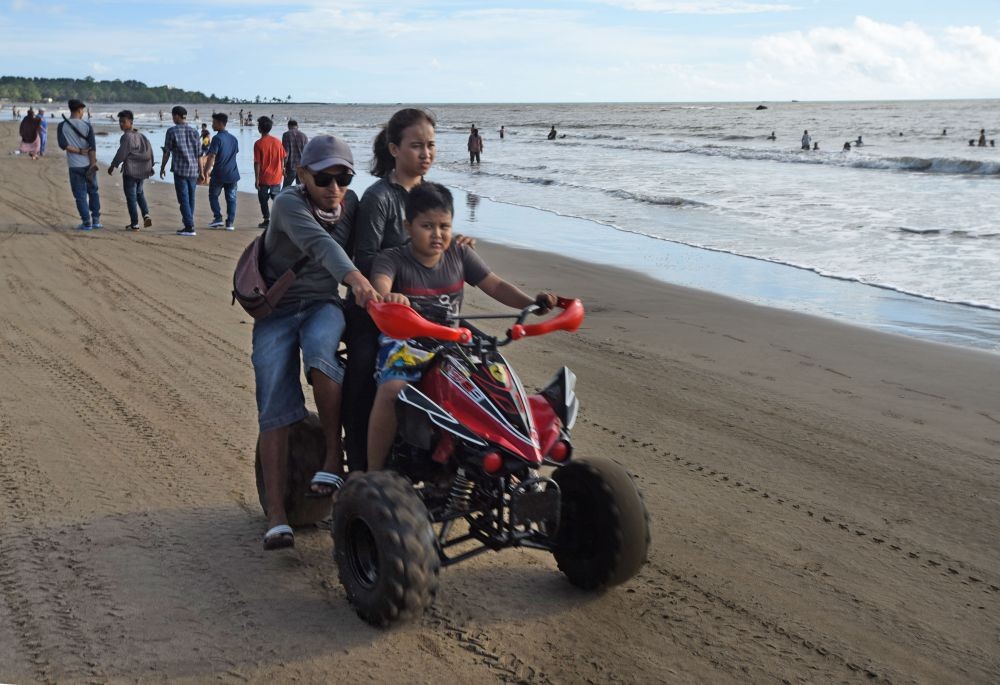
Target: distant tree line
[[89, 90]]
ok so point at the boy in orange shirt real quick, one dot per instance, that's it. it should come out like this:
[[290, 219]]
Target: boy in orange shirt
[[268, 165]]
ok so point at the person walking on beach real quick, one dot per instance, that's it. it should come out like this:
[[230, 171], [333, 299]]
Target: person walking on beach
[[475, 146], [552, 133], [268, 160], [183, 145], [221, 172], [29, 131], [76, 137], [806, 140], [308, 325], [982, 136], [43, 131], [293, 140], [135, 155]]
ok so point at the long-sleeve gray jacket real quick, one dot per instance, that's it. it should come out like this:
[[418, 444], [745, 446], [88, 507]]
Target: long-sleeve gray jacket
[[135, 154]]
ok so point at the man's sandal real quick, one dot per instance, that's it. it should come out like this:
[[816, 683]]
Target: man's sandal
[[327, 479], [279, 537]]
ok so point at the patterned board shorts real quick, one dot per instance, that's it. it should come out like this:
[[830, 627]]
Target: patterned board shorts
[[400, 360]]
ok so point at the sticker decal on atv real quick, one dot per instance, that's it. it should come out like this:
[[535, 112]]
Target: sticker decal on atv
[[499, 373]]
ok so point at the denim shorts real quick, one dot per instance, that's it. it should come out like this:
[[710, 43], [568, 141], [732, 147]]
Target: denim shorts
[[400, 360], [315, 329]]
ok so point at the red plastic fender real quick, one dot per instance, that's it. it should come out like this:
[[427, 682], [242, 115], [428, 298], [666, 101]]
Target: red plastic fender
[[547, 423]]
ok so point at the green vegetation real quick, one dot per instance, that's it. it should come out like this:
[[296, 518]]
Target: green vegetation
[[33, 90]]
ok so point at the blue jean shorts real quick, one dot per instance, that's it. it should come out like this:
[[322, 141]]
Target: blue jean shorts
[[400, 360], [314, 331]]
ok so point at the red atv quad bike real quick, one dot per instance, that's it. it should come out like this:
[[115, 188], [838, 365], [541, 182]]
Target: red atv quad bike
[[465, 475]]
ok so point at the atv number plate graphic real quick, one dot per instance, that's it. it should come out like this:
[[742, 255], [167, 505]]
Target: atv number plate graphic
[[535, 507]]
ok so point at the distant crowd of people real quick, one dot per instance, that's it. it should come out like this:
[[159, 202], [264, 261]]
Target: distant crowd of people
[[195, 159], [807, 143]]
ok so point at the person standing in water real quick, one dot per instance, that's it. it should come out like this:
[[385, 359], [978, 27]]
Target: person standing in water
[[806, 140], [475, 146], [982, 137], [552, 133], [501, 133]]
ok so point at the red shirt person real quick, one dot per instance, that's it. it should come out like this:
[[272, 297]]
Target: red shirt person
[[268, 168]]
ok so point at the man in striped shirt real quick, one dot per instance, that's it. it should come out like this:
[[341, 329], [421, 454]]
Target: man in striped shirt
[[293, 140], [184, 146]]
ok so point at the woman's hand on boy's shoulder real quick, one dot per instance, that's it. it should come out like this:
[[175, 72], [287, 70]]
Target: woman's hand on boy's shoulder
[[465, 240]]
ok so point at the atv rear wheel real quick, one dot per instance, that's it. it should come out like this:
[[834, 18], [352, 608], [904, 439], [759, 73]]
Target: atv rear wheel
[[603, 536], [385, 548], [306, 455]]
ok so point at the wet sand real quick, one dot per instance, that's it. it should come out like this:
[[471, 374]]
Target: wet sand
[[825, 499]]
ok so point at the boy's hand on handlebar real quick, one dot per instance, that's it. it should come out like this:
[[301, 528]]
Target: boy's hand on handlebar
[[545, 302], [396, 298]]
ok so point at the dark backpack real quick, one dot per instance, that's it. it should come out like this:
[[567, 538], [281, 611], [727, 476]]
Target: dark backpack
[[249, 287]]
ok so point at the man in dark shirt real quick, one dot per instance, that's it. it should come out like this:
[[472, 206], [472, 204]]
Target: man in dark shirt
[[220, 167]]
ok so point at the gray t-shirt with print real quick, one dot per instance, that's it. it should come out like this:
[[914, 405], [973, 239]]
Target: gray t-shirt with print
[[434, 291]]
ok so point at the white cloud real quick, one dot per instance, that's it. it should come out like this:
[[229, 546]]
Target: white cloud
[[700, 7], [99, 68], [870, 59]]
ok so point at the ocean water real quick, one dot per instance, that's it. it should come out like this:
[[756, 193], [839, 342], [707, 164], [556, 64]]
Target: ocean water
[[914, 210]]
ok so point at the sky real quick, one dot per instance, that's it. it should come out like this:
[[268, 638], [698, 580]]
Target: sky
[[518, 51]]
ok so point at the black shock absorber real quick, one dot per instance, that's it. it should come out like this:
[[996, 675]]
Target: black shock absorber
[[460, 495]]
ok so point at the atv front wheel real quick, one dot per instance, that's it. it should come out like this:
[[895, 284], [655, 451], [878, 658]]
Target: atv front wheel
[[603, 536], [385, 548], [306, 455]]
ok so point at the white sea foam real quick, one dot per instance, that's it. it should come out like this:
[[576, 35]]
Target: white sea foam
[[912, 212]]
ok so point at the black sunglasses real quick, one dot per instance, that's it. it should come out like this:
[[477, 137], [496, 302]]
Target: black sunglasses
[[323, 179]]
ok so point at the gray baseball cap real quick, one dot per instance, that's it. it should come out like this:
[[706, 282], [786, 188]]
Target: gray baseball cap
[[323, 152]]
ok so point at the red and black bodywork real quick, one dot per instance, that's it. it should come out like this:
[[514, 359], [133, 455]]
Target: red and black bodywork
[[471, 439]]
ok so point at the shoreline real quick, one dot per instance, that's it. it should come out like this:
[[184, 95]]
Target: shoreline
[[745, 278], [824, 498]]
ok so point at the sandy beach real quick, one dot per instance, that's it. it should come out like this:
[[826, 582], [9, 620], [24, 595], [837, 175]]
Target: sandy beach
[[825, 499]]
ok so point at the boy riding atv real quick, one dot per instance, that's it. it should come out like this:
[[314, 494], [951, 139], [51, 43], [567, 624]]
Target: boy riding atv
[[427, 274]]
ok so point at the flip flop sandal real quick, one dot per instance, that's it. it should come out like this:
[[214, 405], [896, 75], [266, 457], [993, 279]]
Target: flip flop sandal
[[279, 537], [325, 478]]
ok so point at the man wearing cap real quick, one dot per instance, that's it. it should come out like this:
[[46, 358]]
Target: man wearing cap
[[183, 144], [310, 221]]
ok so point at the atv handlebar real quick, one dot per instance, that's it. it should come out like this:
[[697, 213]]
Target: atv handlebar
[[402, 322], [568, 320]]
